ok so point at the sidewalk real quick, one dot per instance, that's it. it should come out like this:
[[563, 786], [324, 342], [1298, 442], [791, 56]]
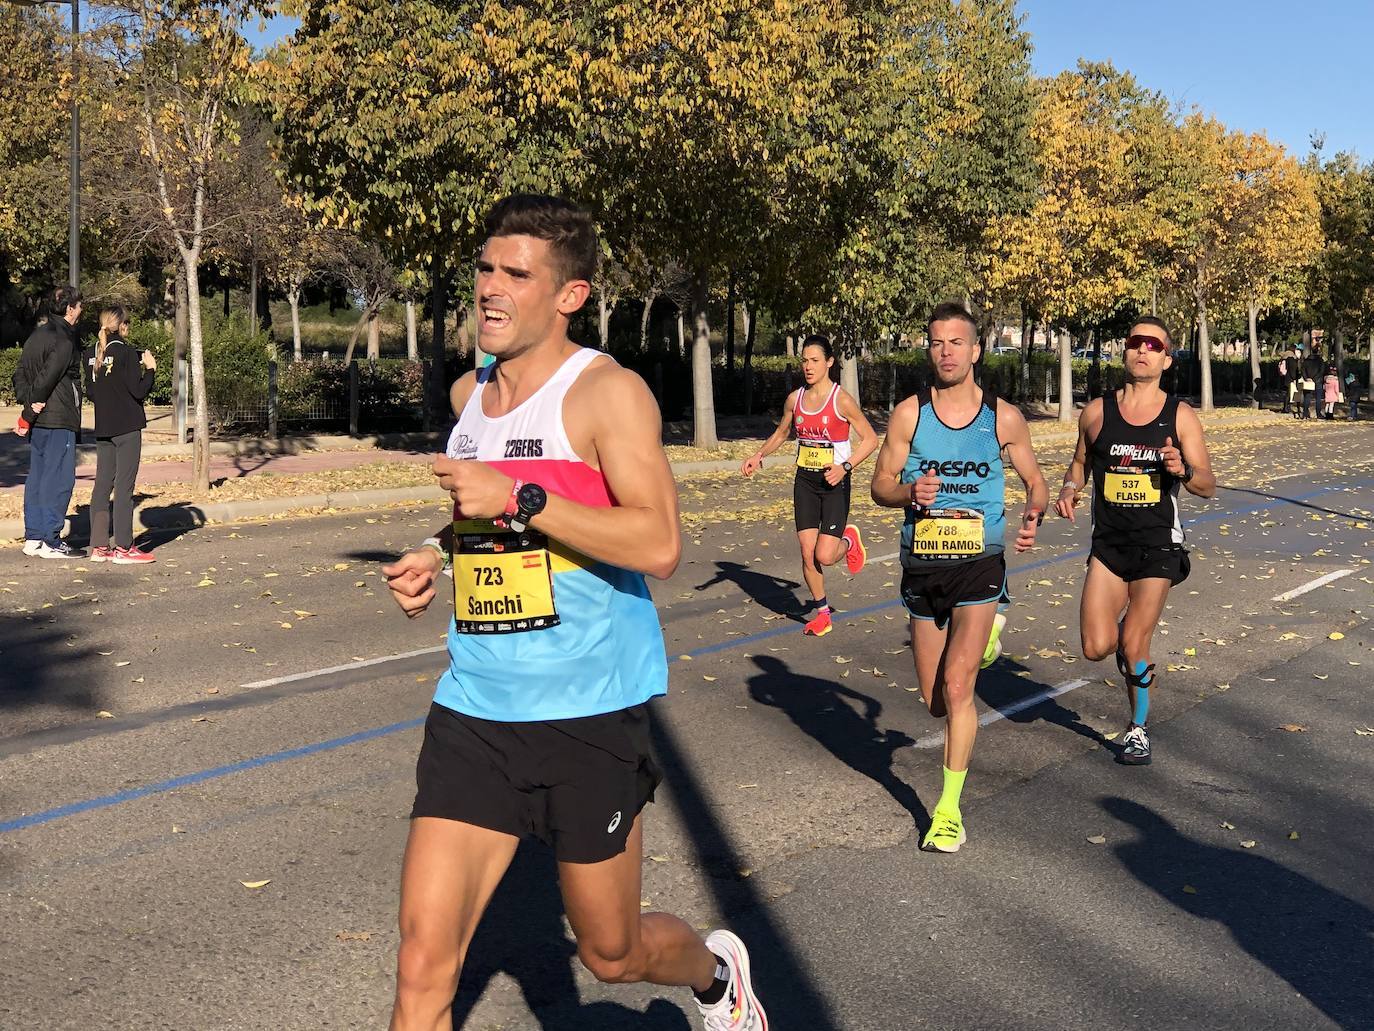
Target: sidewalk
[[390, 471]]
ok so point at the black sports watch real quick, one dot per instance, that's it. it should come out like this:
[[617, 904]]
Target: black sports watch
[[529, 502], [846, 467], [1187, 472]]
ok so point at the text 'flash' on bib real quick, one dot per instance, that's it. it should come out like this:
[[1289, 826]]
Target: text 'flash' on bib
[[1125, 485], [502, 582], [948, 533], [815, 455]]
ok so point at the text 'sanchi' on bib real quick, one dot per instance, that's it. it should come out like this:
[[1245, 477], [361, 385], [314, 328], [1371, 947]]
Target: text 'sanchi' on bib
[[502, 581], [1126, 485], [947, 533], [817, 455]]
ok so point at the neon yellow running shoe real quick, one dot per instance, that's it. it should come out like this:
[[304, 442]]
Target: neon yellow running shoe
[[993, 651], [946, 832]]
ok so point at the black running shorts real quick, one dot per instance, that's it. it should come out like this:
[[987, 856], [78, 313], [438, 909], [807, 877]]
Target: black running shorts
[[576, 784], [935, 591], [1136, 562], [818, 506]]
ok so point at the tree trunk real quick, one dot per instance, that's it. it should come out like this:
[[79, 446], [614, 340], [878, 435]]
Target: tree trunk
[[681, 336], [1253, 312], [438, 389], [374, 335], [253, 296], [791, 346], [1027, 337], [703, 393], [293, 298], [1370, 395], [603, 322], [196, 340], [357, 332], [180, 342], [849, 373], [1338, 353], [1065, 376], [730, 323], [412, 341], [1204, 354], [644, 320], [750, 325], [226, 301]]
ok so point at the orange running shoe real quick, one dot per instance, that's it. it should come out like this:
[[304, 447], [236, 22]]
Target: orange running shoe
[[857, 554], [818, 627]]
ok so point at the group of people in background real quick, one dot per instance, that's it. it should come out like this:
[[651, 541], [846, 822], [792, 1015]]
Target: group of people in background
[[1305, 377], [50, 381]]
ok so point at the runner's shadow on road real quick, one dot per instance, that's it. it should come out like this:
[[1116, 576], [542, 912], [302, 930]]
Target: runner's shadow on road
[[774, 593], [823, 710], [523, 936], [1320, 941], [1000, 687]]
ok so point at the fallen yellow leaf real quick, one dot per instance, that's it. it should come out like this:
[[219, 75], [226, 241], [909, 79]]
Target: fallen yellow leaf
[[256, 884]]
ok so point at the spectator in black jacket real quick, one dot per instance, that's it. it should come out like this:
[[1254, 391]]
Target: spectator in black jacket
[[1311, 378], [118, 378], [49, 376]]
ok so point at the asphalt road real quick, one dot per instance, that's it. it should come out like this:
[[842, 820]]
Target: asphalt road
[[165, 735]]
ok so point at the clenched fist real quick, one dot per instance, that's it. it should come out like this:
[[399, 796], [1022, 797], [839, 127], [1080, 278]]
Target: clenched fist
[[925, 490], [479, 490], [411, 579]]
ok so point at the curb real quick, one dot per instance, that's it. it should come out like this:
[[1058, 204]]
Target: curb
[[187, 515]]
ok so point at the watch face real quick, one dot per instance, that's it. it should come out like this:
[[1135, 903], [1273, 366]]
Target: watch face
[[531, 498]]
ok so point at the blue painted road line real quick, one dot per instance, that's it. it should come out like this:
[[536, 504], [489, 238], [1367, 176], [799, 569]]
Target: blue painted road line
[[106, 801]]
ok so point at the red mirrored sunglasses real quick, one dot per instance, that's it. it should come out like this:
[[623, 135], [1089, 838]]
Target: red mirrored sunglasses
[[1148, 342]]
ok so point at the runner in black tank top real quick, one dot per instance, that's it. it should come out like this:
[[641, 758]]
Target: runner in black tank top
[[1139, 445]]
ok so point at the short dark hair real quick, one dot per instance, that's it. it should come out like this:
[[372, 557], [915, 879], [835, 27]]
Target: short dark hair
[[568, 230], [951, 310], [60, 298], [1158, 323], [817, 340]]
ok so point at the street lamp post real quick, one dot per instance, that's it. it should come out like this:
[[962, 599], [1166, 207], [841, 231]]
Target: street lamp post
[[74, 210]]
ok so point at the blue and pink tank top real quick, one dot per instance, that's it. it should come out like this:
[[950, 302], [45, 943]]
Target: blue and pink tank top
[[541, 632]]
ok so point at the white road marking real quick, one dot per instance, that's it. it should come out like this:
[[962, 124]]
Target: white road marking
[[993, 715], [885, 558], [1320, 581], [361, 663]]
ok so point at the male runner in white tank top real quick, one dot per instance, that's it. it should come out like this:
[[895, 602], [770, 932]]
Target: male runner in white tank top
[[540, 723]]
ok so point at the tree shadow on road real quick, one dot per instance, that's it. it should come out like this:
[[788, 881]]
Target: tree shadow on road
[[774, 593], [822, 709], [1320, 941], [523, 936]]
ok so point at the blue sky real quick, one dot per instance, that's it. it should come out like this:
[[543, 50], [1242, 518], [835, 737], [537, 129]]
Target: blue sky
[[1284, 68]]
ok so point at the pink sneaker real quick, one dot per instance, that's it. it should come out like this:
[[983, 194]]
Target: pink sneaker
[[131, 556], [857, 554], [101, 555]]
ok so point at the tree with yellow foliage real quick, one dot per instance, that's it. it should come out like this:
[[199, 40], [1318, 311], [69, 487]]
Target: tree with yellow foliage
[[1084, 250]]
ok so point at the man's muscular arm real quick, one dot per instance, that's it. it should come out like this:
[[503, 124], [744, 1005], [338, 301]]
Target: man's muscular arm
[[888, 489], [612, 420]]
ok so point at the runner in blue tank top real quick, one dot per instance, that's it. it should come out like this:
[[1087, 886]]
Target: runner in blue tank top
[[1132, 445], [563, 502], [942, 462]]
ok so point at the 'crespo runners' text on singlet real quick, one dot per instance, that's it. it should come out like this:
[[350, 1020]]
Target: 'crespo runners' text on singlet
[[1135, 501], [539, 631], [822, 435], [968, 518]]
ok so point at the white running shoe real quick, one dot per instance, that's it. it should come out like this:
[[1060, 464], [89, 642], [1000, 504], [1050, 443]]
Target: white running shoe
[[31, 547], [739, 1008], [59, 550]]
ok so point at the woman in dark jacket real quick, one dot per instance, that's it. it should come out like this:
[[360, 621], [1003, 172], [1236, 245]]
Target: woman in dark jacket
[[118, 379]]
